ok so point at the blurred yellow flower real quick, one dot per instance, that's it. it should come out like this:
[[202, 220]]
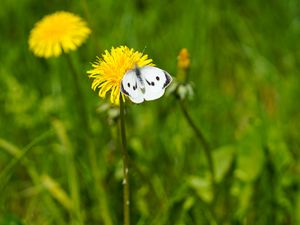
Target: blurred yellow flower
[[56, 33], [183, 59], [183, 65], [109, 70]]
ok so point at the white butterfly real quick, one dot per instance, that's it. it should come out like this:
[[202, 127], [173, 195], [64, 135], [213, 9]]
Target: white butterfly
[[145, 83]]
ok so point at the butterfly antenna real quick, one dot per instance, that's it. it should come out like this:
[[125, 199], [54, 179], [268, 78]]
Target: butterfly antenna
[[136, 67], [144, 49]]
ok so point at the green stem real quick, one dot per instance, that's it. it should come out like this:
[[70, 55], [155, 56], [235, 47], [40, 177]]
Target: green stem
[[84, 124], [201, 138], [126, 201], [78, 93], [90, 146], [98, 180]]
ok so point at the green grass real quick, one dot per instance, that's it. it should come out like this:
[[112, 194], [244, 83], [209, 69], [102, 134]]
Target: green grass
[[245, 74]]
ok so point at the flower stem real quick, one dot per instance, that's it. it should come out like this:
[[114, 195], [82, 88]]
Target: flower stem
[[78, 93], [201, 138], [126, 193], [83, 119]]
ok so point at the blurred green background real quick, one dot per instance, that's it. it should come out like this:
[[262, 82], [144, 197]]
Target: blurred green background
[[245, 74]]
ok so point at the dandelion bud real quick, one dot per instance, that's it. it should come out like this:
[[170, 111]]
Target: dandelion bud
[[183, 59], [183, 64]]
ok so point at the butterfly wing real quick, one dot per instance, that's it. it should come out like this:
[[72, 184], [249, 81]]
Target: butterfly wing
[[155, 81], [130, 87]]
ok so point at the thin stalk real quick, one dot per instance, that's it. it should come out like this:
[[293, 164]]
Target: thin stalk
[[71, 170], [99, 189], [73, 181], [78, 93], [7, 172], [126, 201], [90, 146], [201, 138], [20, 155], [74, 186]]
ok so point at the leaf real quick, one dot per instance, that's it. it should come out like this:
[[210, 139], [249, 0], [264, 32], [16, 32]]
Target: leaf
[[222, 158], [278, 149], [56, 191], [243, 192], [188, 203], [202, 187], [250, 154]]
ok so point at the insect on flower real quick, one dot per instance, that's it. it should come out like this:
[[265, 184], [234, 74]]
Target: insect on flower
[[145, 83]]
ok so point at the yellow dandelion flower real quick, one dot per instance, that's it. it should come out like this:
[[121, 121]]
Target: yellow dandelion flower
[[56, 33], [109, 70]]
